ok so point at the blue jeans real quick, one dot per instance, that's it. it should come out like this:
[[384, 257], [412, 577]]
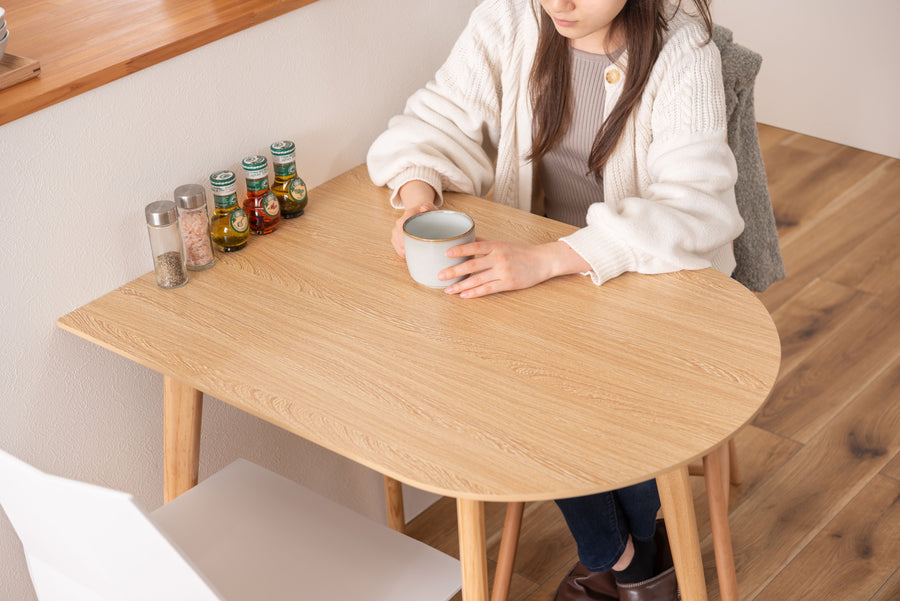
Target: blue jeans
[[601, 523]]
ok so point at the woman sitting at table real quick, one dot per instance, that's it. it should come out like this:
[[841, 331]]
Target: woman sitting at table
[[617, 109]]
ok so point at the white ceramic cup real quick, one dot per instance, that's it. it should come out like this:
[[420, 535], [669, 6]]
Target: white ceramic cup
[[426, 239]]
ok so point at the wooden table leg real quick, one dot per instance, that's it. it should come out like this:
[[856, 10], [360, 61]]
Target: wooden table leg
[[393, 498], [716, 483], [182, 409], [681, 525], [472, 549]]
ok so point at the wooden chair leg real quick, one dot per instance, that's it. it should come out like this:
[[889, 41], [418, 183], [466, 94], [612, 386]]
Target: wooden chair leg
[[714, 466], [734, 471], [509, 542], [731, 468], [506, 558], [393, 497], [725, 470]]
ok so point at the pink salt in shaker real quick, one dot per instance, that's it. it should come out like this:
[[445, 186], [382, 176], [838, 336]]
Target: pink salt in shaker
[[193, 219]]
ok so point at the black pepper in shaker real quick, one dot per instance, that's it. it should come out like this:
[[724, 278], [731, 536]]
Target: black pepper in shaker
[[165, 244]]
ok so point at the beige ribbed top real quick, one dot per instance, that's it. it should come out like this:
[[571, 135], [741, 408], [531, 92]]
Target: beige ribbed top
[[568, 187]]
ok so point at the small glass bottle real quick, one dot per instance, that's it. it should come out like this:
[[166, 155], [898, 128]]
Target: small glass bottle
[[289, 187], [230, 227], [193, 219], [260, 204], [165, 244]]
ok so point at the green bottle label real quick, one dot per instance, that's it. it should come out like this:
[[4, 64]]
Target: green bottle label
[[239, 221], [270, 205], [255, 185], [285, 169], [225, 201], [297, 190]]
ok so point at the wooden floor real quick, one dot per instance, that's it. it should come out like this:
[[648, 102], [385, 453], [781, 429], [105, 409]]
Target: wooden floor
[[817, 516]]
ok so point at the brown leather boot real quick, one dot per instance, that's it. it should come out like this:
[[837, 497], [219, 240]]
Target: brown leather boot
[[663, 586], [583, 585]]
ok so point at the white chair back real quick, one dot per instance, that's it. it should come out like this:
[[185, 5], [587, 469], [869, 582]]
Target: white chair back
[[88, 543]]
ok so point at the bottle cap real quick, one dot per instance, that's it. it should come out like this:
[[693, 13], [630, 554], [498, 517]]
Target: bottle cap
[[190, 196], [255, 167], [282, 147], [161, 212], [222, 178]]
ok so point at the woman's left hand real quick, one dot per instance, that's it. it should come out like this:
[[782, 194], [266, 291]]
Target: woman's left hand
[[501, 266]]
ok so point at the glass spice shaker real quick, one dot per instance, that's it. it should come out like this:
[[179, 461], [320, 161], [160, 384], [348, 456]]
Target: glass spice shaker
[[193, 219], [260, 204], [165, 244], [288, 187], [230, 228]]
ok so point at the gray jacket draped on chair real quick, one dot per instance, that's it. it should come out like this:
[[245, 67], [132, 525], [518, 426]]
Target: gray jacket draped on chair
[[756, 250]]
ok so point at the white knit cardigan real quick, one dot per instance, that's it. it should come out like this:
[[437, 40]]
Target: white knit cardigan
[[668, 186]]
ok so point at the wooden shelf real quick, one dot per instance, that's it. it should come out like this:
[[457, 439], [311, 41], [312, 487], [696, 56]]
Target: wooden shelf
[[84, 44]]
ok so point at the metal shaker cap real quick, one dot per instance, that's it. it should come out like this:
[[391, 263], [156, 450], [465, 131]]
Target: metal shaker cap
[[190, 196], [161, 212]]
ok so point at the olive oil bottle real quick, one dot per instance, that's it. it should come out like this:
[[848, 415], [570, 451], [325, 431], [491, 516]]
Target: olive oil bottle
[[230, 226], [288, 187]]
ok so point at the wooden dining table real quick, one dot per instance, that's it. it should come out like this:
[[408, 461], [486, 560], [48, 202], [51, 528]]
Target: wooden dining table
[[558, 390]]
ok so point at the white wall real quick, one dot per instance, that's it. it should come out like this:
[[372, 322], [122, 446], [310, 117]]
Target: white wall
[[831, 68], [74, 179]]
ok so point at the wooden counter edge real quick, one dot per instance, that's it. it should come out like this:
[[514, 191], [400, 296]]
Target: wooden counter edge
[[54, 85]]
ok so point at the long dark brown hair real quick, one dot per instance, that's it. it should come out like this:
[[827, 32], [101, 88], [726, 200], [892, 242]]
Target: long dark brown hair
[[643, 24]]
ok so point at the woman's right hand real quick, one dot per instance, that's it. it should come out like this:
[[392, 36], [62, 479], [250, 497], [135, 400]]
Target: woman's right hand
[[416, 197]]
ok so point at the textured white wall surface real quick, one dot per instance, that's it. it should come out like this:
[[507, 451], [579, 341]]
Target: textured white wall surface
[[830, 67], [74, 179]]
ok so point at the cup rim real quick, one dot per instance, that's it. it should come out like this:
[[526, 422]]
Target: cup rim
[[457, 237]]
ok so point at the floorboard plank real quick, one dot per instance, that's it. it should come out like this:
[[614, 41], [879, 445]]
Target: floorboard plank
[[812, 173], [852, 557], [805, 398], [812, 316], [789, 509], [874, 265], [830, 236], [890, 591], [892, 470]]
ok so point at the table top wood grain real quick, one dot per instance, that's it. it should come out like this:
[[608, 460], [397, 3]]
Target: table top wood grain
[[559, 390]]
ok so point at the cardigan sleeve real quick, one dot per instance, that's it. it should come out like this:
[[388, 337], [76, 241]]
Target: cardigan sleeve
[[448, 131], [681, 214]]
